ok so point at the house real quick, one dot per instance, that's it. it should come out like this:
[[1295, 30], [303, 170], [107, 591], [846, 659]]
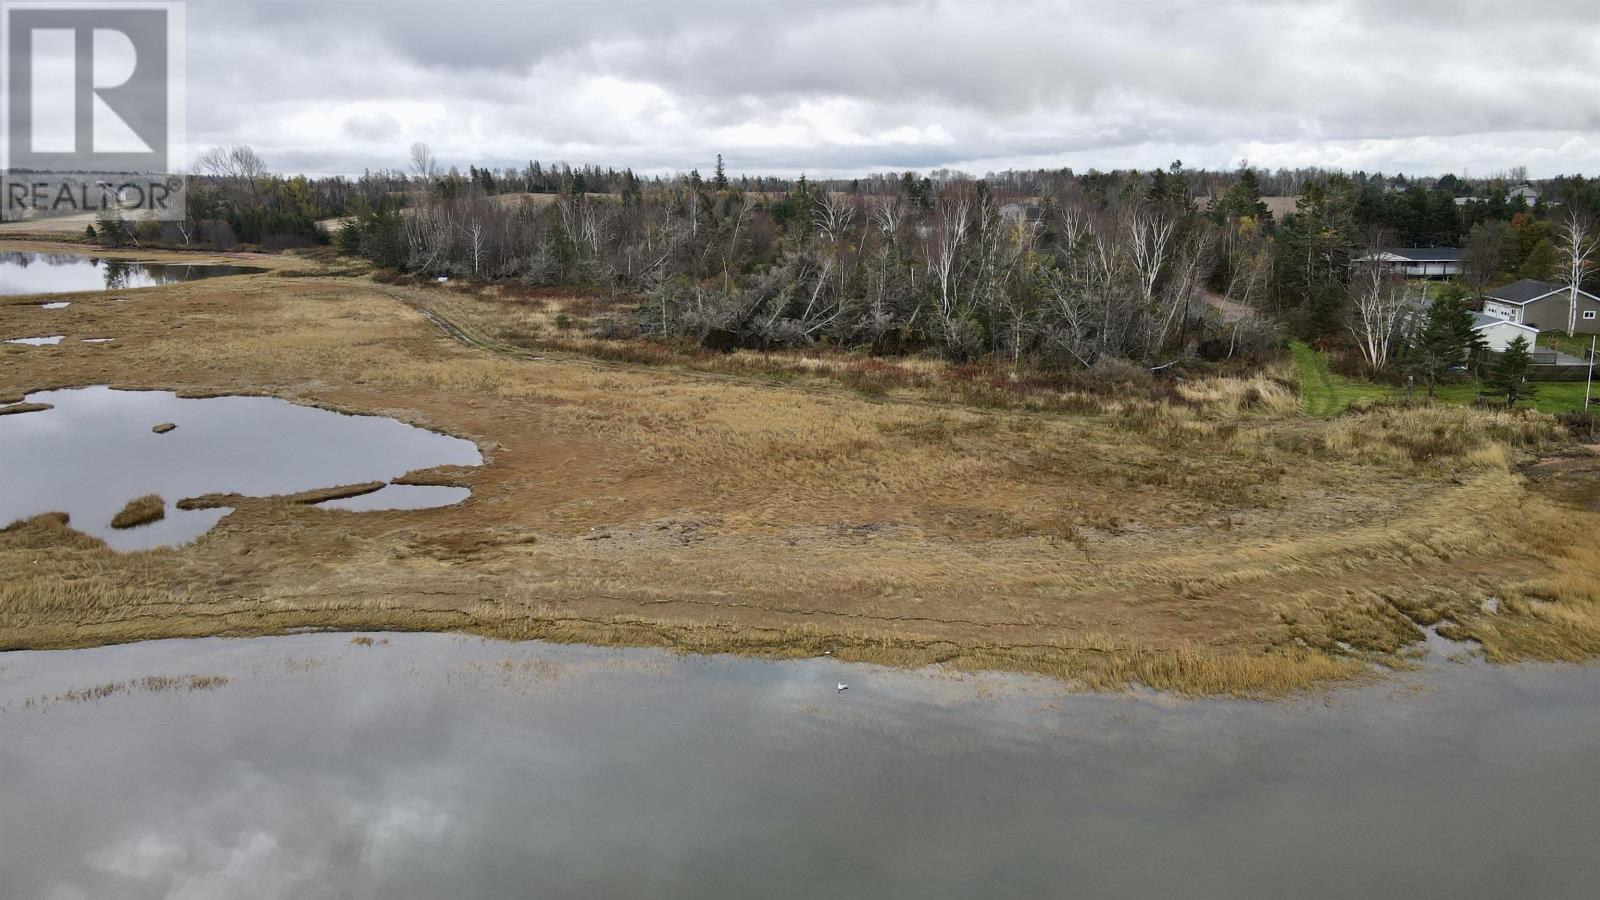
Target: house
[[1498, 333], [1021, 213], [1543, 305], [1526, 191], [1418, 262]]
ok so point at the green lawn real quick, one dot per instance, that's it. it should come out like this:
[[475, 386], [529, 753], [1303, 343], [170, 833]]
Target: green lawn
[[1577, 345], [1324, 393]]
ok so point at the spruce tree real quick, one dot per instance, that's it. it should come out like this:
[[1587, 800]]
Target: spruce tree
[[1511, 371], [1445, 341]]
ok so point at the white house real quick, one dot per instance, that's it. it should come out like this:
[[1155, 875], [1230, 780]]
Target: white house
[[1418, 262], [1526, 191], [1498, 333]]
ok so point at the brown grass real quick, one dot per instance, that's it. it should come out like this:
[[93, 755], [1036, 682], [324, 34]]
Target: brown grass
[[164, 427], [140, 511], [152, 684], [18, 408], [1204, 537], [303, 498]]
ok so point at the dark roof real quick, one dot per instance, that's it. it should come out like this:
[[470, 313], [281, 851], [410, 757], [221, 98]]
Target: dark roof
[[1521, 291], [1426, 254]]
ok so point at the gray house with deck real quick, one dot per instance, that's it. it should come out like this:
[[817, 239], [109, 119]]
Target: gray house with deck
[[1542, 305], [1418, 262]]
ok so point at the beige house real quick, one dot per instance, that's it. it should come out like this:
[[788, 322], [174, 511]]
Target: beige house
[[1498, 334]]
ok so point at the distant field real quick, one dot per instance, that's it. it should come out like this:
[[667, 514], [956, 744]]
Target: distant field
[[334, 224], [54, 225]]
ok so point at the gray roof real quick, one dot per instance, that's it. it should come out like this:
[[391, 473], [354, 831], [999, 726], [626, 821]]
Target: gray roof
[[1426, 254], [1479, 320], [1523, 291]]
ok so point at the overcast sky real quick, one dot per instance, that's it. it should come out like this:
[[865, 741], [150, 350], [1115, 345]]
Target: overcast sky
[[842, 88]]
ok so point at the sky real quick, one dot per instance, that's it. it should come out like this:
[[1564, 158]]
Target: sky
[[838, 89]]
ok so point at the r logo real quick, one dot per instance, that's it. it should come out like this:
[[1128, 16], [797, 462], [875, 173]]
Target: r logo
[[88, 89], [93, 108]]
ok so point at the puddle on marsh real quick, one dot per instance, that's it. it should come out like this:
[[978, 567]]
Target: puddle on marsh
[[95, 451], [37, 341], [432, 766], [51, 273]]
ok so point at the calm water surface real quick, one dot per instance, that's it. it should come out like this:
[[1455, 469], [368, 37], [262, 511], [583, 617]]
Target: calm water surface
[[437, 766], [51, 273], [95, 451]]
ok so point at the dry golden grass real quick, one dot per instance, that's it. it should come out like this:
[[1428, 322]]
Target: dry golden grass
[[19, 408], [1208, 539], [151, 684], [140, 511], [164, 427]]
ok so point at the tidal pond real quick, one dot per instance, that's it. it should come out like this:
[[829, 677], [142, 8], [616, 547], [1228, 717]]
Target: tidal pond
[[54, 273], [425, 766], [95, 451]]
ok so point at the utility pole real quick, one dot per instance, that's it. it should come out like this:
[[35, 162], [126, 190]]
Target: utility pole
[[1589, 385]]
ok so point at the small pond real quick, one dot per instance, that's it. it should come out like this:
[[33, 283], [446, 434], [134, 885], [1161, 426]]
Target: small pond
[[51, 273], [425, 766], [95, 451]]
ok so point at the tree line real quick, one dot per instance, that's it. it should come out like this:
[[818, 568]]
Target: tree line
[[1044, 266]]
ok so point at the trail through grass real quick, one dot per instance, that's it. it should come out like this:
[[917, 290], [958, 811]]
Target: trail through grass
[[1322, 393]]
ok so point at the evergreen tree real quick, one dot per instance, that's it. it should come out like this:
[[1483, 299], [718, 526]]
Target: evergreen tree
[[1510, 372], [1445, 341], [720, 179], [1242, 200]]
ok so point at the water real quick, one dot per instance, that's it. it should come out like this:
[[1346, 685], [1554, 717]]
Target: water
[[50, 340], [52, 273], [438, 766], [95, 451]]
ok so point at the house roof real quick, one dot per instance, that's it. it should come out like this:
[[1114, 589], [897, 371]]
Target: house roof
[[1425, 254], [1525, 291], [1481, 321]]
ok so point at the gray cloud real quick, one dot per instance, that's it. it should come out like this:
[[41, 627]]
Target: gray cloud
[[838, 88]]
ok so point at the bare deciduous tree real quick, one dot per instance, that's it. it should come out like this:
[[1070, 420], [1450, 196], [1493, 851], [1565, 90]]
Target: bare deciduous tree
[[1578, 249], [423, 165], [1380, 305], [237, 168]]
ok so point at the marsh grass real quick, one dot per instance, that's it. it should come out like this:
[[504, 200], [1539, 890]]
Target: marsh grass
[[1434, 434], [437, 476], [164, 427], [19, 408], [140, 511], [152, 684], [303, 498]]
